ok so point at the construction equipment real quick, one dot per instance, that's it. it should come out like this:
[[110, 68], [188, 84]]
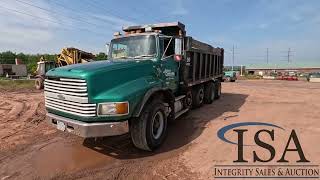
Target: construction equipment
[[67, 56]]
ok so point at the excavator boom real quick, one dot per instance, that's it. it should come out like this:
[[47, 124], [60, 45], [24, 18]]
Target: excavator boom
[[73, 56], [68, 56]]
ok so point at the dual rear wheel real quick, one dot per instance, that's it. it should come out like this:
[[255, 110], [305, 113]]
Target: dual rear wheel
[[206, 93]]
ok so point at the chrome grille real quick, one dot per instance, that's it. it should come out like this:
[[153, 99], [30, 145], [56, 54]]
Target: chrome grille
[[69, 96]]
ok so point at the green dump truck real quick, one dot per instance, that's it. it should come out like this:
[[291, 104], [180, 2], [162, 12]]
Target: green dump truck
[[230, 76], [154, 74]]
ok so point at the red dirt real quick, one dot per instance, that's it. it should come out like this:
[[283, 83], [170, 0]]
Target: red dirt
[[32, 149]]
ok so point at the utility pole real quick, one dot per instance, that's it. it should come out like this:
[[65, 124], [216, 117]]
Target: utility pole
[[267, 55], [232, 57], [289, 51]]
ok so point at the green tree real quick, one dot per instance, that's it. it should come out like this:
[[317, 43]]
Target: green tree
[[101, 56], [7, 57]]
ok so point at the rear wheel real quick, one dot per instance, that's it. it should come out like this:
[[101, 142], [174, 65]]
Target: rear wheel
[[209, 92], [149, 130], [197, 96], [217, 90], [39, 83]]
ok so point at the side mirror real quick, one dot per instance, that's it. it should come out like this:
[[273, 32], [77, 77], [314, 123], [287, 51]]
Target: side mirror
[[178, 49], [178, 46], [107, 47]]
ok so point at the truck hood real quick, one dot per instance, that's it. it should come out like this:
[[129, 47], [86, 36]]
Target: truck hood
[[106, 79], [85, 69]]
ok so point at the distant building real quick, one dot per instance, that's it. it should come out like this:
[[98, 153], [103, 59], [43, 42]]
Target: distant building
[[235, 68], [13, 69], [268, 71]]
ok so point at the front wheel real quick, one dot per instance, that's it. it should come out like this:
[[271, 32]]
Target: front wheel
[[39, 84], [149, 130]]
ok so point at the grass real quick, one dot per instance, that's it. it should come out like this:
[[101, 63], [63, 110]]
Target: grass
[[16, 84]]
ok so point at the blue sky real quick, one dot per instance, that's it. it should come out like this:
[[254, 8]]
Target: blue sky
[[252, 26]]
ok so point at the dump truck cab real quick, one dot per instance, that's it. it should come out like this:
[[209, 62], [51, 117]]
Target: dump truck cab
[[154, 74]]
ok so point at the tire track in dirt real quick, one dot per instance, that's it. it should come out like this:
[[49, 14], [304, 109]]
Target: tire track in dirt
[[20, 113]]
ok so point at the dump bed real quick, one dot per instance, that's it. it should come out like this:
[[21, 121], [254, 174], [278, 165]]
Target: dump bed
[[202, 62]]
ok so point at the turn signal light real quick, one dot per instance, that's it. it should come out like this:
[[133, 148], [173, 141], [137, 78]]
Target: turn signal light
[[122, 108], [177, 58]]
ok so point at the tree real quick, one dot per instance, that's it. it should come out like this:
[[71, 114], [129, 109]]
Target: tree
[[101, 56]]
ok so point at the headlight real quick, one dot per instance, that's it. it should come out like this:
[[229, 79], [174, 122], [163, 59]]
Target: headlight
[[113, 108]]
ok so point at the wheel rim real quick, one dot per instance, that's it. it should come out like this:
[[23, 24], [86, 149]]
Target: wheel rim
[[189, 100], [201, 95], [157, 125]]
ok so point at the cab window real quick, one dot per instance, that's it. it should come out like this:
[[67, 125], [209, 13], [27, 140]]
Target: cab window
[[167, 46]]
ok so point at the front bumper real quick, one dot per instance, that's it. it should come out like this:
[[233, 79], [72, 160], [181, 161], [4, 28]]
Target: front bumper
[[87, 130]]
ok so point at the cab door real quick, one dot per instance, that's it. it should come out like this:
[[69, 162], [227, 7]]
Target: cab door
[[169, 67]]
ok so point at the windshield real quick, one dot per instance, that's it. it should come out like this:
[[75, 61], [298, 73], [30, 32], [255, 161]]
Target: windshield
[[133, 47]]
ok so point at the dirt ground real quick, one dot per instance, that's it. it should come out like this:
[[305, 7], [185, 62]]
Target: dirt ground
[[30, 149]]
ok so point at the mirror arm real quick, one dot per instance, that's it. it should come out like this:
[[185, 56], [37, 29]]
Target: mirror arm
[[166, 48]]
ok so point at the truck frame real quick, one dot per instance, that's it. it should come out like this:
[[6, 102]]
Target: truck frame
[[154, 74]]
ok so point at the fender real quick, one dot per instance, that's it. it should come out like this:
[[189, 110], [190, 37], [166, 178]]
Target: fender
[[146, 97], [40, 76]]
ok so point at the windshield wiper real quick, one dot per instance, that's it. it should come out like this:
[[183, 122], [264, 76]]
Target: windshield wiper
[[144, 55]]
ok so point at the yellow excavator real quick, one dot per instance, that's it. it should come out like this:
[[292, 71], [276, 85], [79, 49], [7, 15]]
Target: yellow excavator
[[67, 56]]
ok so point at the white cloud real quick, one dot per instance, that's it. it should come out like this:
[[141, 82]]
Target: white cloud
[[22, 31], [19, 30]]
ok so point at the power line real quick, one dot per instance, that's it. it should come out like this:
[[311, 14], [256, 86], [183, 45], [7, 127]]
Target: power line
[[77, 12], [45, 19], [101, 6], [288, 55], [44, 9], [49, 20]]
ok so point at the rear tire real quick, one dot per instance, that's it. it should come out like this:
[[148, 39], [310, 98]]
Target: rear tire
[[197, 96], [39, 84], [209, 92], [149, 130], [217, 90]]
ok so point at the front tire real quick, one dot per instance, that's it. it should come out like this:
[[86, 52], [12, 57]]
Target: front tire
[[39, 84], [149, 130]]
